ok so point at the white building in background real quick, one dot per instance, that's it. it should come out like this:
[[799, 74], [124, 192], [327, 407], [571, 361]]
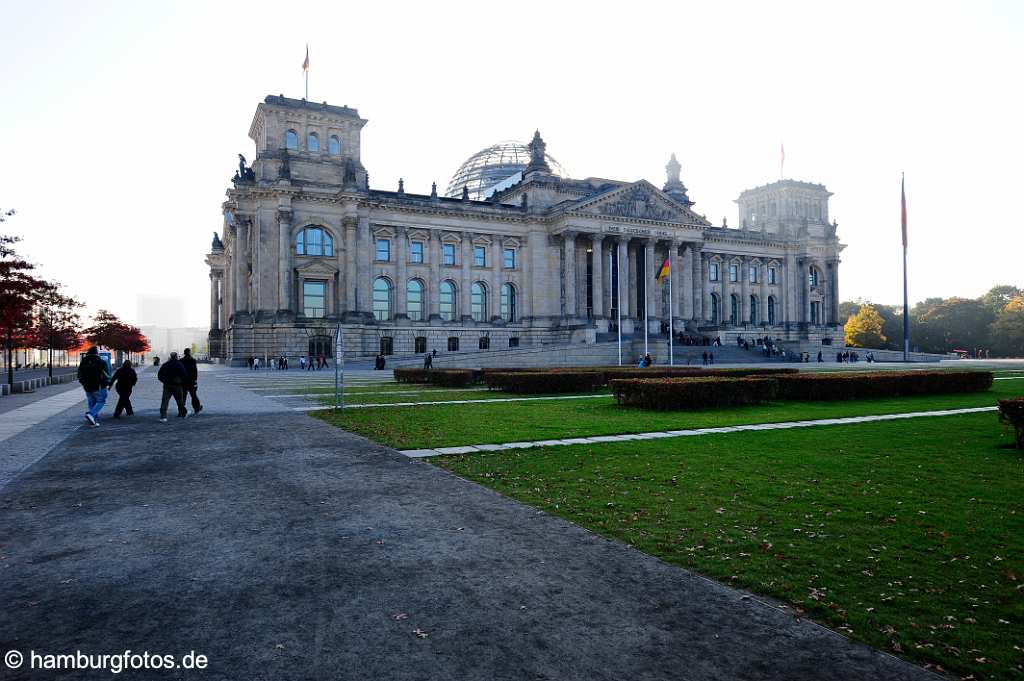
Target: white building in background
[[516, 255]]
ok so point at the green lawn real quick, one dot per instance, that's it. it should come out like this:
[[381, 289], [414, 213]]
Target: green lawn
[[906, 535], [450, 425]]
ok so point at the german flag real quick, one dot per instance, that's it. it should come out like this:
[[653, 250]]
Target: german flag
[[663, 271]]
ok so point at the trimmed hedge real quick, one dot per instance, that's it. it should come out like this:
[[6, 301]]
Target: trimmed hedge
[[546, 382], [570, 379], [1011, 412], [412, 375], [693, 393], [454, 378], [853, 386]]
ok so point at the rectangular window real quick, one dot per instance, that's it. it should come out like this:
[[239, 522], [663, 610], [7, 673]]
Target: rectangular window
[[448, 251], [734, 272], [509, 255], [485, 343], [753, 274], [314, 298], [383, 250], [772, 276], [420, 345], [479, 256], [453, 344], [387, 345], [513, 342], [713, 272], [416, 251]]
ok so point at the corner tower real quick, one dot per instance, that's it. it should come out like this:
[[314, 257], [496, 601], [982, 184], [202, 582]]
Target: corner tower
[[307, 142]]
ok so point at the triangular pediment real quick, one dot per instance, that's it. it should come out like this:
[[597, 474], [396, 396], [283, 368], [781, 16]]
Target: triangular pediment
[[317, 268], [640, 201]]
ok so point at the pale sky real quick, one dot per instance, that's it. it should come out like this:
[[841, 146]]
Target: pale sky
[[123, 120]]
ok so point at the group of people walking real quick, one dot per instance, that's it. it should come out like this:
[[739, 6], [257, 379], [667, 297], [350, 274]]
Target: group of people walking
[[180, 378]]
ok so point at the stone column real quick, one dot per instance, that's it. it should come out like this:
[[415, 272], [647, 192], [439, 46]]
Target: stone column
[[762, 308], [791, 278], [597, 267], [433, 305], [348, 226], [698, 282], [465, 308], [744, 289], [685, 290], [724, 302], [494, 294], [241, 256], [364, 267], [284, 259], [634, 268], [805, 304], [675, 265], [569, 274], [214, 317], [401, 263], [624, 288], [834, 297]]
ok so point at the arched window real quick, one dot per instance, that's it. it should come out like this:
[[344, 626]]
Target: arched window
[[734, 309], [312, 142], [334, 145], [771, 310], [314, 241], [715, 313], [753, 310], [478, 302], [414, 299], [448, 301], [381, 299], [291, 140], [813, 276], [508, 302]]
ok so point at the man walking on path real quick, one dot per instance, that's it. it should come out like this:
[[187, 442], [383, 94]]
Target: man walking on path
[[172, 375], [123, 381], [93, 375], [190, 387]]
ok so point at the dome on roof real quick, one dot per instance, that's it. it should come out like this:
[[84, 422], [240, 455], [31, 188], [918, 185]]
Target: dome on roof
[[488, 167]]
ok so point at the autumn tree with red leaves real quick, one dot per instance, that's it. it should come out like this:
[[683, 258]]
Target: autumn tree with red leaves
[[19, 294]]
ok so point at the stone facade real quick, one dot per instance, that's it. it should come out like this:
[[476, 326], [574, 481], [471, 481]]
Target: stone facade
[[308, 245]]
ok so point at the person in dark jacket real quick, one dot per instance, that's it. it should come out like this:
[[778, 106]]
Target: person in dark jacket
[[172, 375], [190, 387], [94, 377], [123, 381]]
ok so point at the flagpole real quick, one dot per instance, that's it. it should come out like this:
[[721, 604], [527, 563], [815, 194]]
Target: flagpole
[[671, 316], [906, 309], [644, 278], [618, 304]]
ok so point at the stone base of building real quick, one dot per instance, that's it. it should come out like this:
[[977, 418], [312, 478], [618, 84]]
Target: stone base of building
[[271, 336]]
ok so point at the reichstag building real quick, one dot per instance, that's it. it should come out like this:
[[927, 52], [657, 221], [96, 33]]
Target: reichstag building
[[513, 254]]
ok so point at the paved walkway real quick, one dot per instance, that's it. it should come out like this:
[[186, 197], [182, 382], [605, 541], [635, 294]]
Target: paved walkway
[[283, 548], [655, 435]]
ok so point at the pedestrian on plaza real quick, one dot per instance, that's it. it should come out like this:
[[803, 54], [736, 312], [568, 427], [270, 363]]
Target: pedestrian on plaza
[[190, 387], [93, 375], [173, 376], [428, 361], [820, 358], [156, 361], [704, 356], [711, 358], [434, 353], [123, 381]]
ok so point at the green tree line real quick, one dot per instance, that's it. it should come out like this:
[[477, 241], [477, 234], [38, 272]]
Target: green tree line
[[993, 323]]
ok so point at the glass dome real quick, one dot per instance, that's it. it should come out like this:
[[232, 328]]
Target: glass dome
[[488, 167]]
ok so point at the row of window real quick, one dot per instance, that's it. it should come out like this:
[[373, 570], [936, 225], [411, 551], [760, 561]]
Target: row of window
[[291, 142], [734, 310], [387, 344], [448, 254], [314, 300], [734, 273], [318, 242]]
